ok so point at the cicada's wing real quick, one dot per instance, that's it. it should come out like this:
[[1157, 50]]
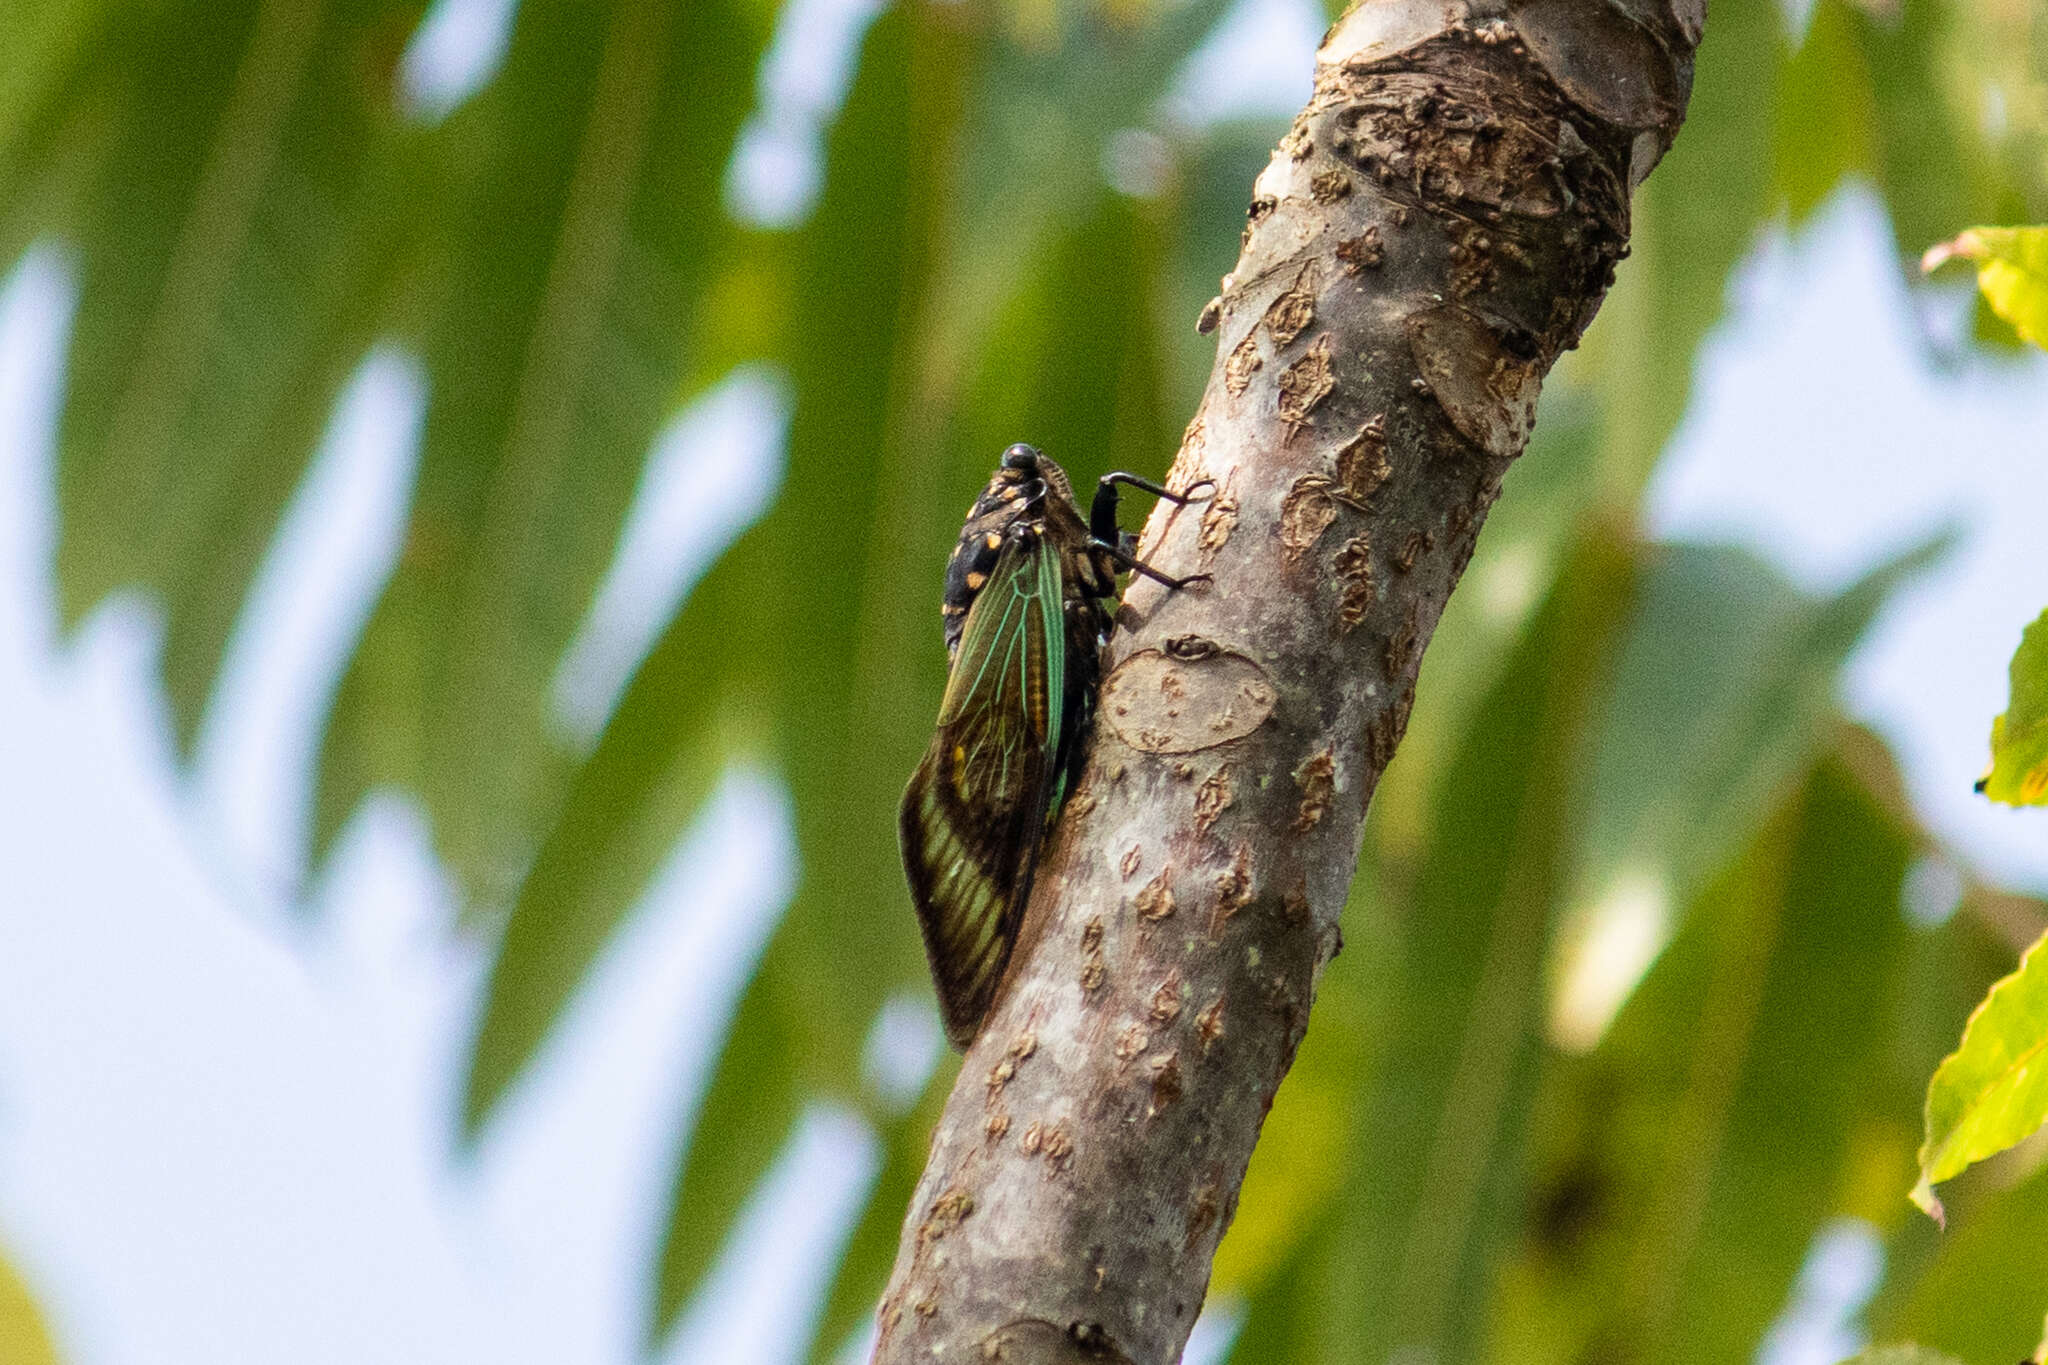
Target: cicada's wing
[[975, 811]]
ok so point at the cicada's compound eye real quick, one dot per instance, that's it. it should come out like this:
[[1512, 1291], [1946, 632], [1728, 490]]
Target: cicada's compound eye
[[1021, 456]]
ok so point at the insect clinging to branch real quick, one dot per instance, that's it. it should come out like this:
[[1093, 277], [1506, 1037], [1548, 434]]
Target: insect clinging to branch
[[1031, 592]]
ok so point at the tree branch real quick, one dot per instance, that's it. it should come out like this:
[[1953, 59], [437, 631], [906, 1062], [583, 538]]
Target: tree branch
[[1440, 223]]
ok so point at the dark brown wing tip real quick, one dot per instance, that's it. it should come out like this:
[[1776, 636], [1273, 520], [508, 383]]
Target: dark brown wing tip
[[961, 1011], [961, 1031]]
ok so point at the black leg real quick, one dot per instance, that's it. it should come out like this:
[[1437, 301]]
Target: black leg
[[1138, 566], [1102, 514], [1158, 491]]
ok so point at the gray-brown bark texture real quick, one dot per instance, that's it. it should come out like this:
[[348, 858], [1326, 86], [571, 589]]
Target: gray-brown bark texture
[[1440, 223]]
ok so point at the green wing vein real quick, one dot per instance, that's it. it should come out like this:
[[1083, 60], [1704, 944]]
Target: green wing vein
[[975, 811]]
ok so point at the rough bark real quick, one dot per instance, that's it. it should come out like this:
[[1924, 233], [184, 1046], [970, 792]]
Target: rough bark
[[1440, 223]]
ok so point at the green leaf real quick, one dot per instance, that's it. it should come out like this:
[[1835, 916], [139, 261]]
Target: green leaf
[[2019, 738], [41, 46], [583, 192], [1548, 500], [1072, 363], [1827, 113], [1320, 1286], [1786, 687], [1034, 136], [720, 681], [1724, 694], [2012, 272], [219, 310], [1933, 164], [1282, 1317], [681, 722], [1684, 1166], [1981, 1297], [24, 1339], [250, 212], [53, 143], [1901, 1355], [1992, 1092], [1949, 970]]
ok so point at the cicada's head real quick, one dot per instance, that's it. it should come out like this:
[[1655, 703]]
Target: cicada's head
[[1023, 464]]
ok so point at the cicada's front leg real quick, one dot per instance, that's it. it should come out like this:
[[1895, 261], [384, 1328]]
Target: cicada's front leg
[[1119, 544]]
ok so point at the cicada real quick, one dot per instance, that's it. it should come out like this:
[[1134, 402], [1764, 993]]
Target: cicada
[[1031, 591]]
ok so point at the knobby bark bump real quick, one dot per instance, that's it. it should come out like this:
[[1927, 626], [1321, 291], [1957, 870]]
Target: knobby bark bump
[[1440, 223]]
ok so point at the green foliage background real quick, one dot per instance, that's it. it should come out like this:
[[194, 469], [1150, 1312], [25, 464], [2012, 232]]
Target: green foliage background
[[249, 212]]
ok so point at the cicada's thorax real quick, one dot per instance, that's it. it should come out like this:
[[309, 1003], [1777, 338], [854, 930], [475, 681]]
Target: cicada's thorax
[[1041, 501]]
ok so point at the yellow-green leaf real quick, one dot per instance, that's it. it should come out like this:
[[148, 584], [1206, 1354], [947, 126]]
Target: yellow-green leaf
[[24, 1340], [2012, 270], [1992, 1091], [1975, 1293], [1901, 1355], [2019, 738]]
